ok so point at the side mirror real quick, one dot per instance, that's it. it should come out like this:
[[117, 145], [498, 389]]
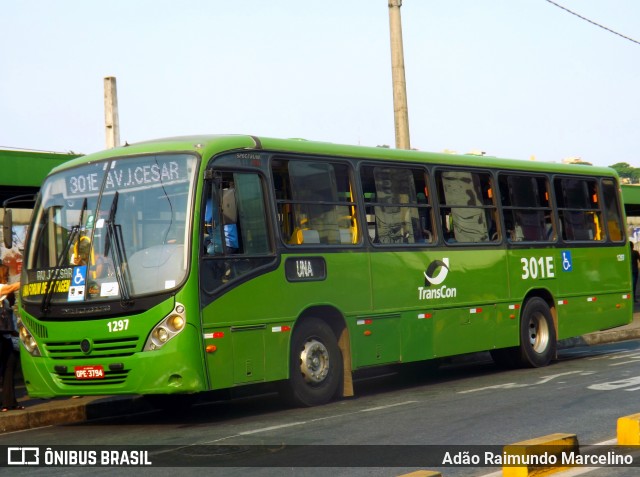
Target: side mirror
[[7, 228]]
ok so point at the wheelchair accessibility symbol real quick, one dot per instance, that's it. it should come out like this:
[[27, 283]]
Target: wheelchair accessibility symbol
[[567, 263], [77, 288], [79, 275]]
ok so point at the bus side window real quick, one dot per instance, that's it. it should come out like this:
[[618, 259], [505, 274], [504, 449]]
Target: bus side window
[[527, 212], [467, 206], [397, 205], [612, 209], [579, 209], [236, 234], [315, 203]]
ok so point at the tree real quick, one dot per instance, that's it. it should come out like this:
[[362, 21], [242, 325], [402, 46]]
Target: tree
[[626, 171]]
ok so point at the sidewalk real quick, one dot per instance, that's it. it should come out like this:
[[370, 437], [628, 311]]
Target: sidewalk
[[45, 412]]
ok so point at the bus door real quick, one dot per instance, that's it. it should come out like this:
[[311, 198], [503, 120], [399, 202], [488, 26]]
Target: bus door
[[236, 290]]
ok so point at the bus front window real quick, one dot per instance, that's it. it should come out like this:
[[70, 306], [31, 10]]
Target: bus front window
[[111, 230]]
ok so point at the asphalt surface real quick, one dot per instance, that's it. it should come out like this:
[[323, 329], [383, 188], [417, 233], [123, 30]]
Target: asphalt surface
[[46, 412]]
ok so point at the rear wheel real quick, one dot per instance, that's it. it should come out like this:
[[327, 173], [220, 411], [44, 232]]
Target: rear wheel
[[315, 364], [537, 339], [537, 334]]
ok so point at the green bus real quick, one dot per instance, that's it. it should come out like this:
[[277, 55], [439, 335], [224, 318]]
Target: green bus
[[205, 263], [631, 199], [23, 171]]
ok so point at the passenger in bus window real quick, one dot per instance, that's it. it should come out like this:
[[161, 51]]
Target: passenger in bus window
[[84, 254], [213, 242]]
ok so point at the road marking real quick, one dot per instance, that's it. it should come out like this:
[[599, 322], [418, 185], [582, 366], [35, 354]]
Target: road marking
[[627, 355], [613, 354], [271, 428], [544, 380], [625, 362], [495, 386], [613, 385], [310, 421], [379, 408]]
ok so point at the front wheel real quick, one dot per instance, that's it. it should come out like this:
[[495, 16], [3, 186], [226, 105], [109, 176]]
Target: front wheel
[[537, 334], [315, 364]]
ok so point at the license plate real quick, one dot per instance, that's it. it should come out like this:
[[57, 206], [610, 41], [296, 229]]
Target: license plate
[[89, 372]]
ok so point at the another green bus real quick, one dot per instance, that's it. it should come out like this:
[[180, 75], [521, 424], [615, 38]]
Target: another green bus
[[631, 199], [204, 263], [23, 171]]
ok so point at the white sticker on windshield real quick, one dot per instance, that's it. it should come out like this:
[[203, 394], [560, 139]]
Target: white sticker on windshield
[[169, 284], [109, 289], [76, 293]]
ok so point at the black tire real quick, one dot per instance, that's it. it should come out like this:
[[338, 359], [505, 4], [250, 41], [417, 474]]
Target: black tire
[[537, 334], [315, 365]]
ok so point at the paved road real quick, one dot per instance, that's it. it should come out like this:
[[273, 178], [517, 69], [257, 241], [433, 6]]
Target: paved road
[[39, 413], [461, 405]]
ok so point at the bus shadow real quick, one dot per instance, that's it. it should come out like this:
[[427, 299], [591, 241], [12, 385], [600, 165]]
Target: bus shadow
[[263, 399]]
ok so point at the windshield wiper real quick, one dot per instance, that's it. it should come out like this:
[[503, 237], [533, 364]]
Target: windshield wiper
[[115, 243], [64, 254]]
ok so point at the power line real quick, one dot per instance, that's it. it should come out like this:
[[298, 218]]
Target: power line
[[592, 22]]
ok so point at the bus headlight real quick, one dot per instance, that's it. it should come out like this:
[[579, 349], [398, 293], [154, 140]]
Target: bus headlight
[[166, 329], [27, 339]]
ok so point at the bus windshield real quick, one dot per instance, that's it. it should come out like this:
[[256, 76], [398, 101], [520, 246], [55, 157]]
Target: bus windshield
[[111, 230]]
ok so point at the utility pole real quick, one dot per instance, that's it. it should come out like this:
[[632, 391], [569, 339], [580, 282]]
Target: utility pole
[[400, 108], [111, 122]]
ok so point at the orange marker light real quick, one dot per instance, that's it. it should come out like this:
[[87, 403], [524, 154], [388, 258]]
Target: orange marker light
[[211, 348]]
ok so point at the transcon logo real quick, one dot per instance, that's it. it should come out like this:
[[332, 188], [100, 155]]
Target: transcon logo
[[435, 274], [443, 265]]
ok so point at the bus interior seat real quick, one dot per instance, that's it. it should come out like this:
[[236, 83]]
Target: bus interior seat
[[393, 225], [532, 225], [578, 227], [310, 236], [345, 236], [301, 236], [469, 222]]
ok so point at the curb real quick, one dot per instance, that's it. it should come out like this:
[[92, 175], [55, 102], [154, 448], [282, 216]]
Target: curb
[[71, 410], [601, 337]]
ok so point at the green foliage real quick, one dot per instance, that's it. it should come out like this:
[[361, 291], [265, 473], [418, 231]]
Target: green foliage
[[626, 171]]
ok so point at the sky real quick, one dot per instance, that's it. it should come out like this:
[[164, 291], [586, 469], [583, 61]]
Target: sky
[[513, 78]]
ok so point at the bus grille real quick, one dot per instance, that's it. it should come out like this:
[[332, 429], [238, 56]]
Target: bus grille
[[36, 328], [100, 349]]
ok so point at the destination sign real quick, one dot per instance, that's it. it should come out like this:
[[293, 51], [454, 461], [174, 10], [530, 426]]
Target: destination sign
[[127, 175], [40, 282]]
